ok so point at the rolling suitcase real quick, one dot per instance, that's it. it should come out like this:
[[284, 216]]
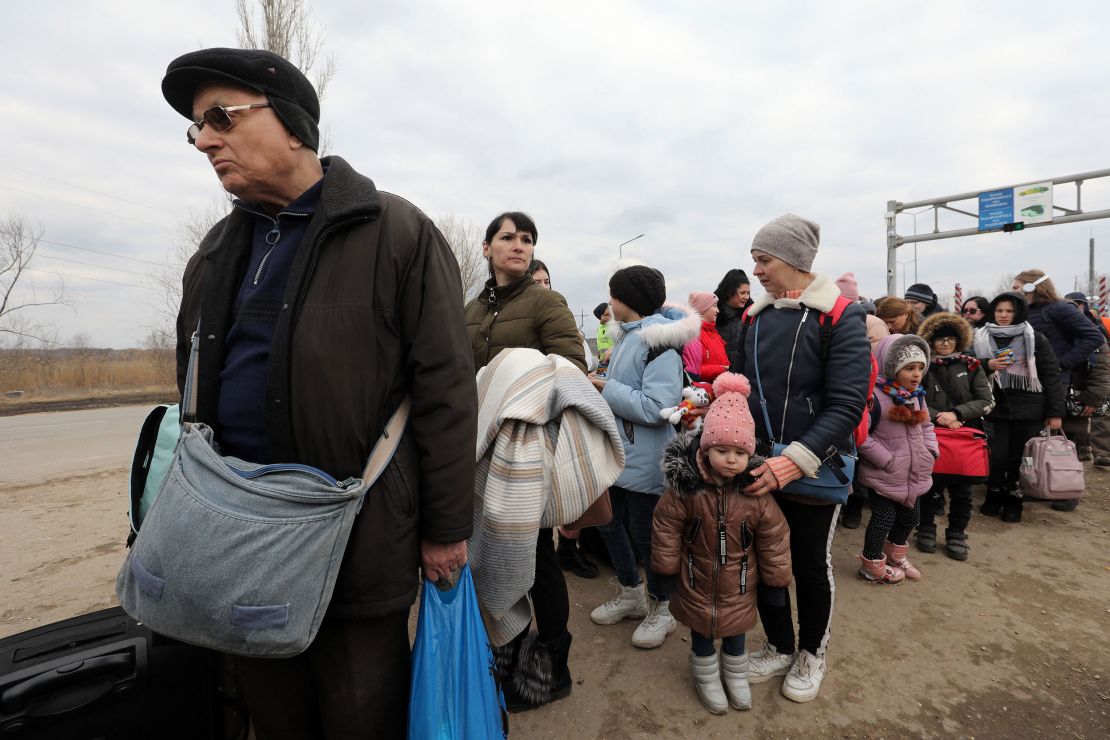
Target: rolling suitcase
[[103, 675]]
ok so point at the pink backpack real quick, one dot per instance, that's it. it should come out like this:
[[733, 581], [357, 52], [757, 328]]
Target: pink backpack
[[1050, 468]]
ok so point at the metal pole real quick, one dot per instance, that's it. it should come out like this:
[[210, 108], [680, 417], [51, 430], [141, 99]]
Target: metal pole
[[891, 246], [1091, 268]]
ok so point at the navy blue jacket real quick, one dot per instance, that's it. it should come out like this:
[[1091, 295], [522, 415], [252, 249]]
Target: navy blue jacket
[[1072, 336], [813, 404]]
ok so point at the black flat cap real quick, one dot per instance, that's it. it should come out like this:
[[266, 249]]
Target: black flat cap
[[291, 95]]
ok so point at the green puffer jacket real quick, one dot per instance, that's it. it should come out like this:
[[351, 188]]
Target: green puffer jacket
[[522, 314], [961, 386]]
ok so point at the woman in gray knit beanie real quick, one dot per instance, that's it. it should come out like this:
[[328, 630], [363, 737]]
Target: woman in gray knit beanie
[[812, 384]]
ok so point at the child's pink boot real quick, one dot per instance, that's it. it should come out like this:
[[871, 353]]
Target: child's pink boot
[[896, 556], [877, 571]]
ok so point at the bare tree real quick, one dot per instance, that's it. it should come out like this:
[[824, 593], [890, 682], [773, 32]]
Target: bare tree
[[1004, 285], [465, 240], [18, 293], [287, 28], [162, 330]]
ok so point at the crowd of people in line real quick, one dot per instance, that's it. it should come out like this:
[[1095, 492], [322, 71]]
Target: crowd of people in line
[[694, 539], [321, 303]]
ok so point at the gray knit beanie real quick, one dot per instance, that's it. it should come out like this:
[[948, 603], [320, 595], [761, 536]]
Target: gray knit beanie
[[792, 239]]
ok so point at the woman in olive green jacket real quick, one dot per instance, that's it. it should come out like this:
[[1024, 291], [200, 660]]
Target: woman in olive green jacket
[[513, 311]]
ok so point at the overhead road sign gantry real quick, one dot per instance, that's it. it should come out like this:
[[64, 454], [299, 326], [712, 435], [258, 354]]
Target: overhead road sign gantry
[[1006, 208]]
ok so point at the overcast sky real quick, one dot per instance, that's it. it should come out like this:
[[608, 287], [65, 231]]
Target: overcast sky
[[693, 123]]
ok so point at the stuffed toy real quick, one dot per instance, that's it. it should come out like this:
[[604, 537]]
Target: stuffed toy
[[694, 396]]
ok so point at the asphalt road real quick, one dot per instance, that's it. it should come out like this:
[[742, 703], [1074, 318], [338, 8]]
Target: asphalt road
[[34, 448]]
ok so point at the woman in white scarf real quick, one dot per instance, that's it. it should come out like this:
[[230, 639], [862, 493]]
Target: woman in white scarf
[[1026, 381]]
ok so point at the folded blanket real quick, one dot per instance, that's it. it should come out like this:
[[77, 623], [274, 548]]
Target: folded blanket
[[547, 449]]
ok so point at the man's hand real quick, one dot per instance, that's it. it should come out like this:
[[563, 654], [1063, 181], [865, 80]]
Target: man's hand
[[440, 560], [598, 382]]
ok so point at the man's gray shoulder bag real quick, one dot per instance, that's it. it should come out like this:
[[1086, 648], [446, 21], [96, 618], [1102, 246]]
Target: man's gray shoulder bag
[[240, 557]]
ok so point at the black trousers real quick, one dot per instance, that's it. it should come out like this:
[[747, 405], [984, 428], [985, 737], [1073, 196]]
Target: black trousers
[[1007, 444], [890, 520], [549, 592], [811, 533], [353, 681], [959, 494]]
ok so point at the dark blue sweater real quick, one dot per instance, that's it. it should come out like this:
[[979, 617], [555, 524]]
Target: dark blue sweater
[[241, 405]]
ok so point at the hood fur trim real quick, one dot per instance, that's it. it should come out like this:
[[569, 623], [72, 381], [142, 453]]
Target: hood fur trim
[[671, 332], [682, 467], [820, 295], [946, 318]]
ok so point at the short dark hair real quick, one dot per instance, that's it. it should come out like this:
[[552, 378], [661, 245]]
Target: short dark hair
[[732, 280], [522, 222]]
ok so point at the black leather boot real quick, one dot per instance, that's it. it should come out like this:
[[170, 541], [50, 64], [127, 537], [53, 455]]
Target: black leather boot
[[853, 512], [570, 558], [993, 505], [1011, 507], [542, 674]]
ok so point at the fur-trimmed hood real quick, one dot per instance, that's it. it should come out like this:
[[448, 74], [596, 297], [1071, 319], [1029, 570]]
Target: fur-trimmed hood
[[948, 319], [671, 327], [685, 468], [820, 295]]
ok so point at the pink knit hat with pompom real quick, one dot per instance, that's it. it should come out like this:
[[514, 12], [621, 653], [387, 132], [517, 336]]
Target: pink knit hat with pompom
[[702, 302], [729, 421]]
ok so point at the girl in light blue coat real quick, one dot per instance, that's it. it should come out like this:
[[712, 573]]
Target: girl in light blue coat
[[644, 376]]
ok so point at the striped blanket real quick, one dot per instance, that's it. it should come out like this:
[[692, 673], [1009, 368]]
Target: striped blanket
[[547, 449]]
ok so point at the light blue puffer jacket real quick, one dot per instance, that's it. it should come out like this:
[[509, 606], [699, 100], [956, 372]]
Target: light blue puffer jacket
[[637, 390]]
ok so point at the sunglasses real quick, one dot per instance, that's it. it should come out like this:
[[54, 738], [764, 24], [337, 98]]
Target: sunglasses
[[945, 340], [217, 117], [970, 311]]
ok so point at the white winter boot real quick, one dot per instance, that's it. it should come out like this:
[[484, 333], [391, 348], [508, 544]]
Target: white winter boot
[[734, 675], [707, 682]]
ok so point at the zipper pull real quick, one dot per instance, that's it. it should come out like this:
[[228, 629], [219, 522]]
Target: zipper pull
[[721, 540]]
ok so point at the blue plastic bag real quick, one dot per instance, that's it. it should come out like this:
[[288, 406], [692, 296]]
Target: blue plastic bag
[[454, 693]]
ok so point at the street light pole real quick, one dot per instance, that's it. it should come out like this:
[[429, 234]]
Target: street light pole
[[620, 247]]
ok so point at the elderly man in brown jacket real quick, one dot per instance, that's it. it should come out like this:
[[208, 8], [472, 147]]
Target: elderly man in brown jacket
[[321, 302]]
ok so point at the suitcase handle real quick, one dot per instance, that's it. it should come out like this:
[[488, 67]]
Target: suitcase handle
[[80, 674]]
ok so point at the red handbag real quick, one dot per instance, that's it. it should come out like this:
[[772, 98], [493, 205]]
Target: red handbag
[[963, 451]]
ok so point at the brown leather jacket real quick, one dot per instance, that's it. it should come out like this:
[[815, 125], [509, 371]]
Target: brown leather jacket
[[372, 311], [713, 598]]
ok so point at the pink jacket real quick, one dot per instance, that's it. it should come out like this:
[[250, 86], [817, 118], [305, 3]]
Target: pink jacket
[[897, 458]]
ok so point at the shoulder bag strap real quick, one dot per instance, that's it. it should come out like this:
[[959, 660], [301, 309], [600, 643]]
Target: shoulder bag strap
[[386, 446], [759, 382], [189, 397]]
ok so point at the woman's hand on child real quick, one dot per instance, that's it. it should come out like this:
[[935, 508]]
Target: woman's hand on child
[[598, 382], [765, 481]]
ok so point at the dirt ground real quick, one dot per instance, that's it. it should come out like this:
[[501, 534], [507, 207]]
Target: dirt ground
[[1011, 644]]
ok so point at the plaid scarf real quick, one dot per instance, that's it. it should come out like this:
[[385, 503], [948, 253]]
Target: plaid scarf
[[972, 363], [900, 395]]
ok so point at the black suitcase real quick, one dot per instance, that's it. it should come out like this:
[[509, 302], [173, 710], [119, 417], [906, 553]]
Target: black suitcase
[[103, 675]]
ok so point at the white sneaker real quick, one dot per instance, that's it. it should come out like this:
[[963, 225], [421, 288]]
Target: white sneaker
[[656, 626], [768, 662], [804, 680], [628, 603]]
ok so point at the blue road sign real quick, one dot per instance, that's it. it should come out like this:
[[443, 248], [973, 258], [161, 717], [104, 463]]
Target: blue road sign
[[996, 209]]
